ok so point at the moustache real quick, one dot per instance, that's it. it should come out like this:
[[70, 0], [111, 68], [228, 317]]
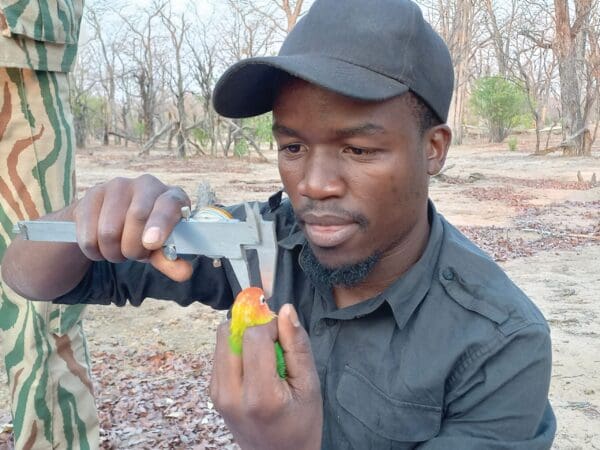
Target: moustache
[[325, 209]]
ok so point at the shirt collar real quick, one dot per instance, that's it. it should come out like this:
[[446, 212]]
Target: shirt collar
[[406, 293], [294, 239]]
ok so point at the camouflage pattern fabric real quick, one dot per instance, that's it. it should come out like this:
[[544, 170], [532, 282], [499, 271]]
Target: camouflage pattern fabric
[[39, 34], [44, 346]]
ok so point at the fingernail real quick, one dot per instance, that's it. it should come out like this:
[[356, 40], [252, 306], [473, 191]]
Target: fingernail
[[151, 235], [292, 315]]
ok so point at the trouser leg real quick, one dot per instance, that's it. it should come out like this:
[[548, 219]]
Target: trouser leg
[[44, 346]]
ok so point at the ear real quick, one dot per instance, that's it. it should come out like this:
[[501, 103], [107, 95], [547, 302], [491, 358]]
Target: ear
[[437, 141]]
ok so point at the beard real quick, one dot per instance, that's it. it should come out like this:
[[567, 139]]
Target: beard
[[347, 275]]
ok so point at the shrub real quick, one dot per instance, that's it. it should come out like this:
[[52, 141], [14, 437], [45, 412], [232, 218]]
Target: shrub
[[501, 103]]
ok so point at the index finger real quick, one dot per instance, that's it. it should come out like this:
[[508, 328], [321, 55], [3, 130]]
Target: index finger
[[259, 363], [164, 216]]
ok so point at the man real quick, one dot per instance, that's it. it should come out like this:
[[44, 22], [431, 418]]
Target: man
[[397, 331], [43, 344]]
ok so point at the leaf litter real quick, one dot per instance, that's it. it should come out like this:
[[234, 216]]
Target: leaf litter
[[161, 401]]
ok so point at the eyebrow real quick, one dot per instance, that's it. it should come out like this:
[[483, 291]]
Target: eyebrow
[[277, 128], [368, 129]]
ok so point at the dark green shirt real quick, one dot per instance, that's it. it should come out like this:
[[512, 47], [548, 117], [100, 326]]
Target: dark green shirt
[[451, 356]]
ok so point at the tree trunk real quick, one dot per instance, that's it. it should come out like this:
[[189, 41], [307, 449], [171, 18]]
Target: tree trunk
[[237, 135], [181, 153], [460, 48], [497, 39], [497, 133], [292, 12], [124, 112], [105, 141], [538, 136], [569, 67], [170, 140], [80, 126]]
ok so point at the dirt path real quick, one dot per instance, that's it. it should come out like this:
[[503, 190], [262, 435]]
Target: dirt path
[[530, 213]]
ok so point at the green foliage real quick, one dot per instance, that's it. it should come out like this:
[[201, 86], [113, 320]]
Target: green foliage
[[512, 143], [501, 103], [200, 135], [259, 128], [241, 148], [138, 129], [88, 114], [262, 126]]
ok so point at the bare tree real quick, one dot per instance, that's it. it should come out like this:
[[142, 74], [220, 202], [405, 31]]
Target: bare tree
[[142, 45], [177, 28], [569, 45], [82, 85], [126, 86], [455, 20], [292, 10], [591, 78], [273, 10], [500, 20], [534, 68], [246, 34], [203, 62], [109, 46]]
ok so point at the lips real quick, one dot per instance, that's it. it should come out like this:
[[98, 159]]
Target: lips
[[328, 230]]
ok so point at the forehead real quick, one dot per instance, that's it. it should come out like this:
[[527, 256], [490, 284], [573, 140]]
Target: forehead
[[302, 104], [298, 97]]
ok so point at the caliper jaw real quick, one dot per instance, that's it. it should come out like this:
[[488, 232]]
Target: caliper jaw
[[230, 239]]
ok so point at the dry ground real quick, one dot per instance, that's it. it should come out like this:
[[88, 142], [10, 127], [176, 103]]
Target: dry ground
[[529, 212]]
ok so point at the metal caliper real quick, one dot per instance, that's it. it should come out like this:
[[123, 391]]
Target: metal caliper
[[222, 238]]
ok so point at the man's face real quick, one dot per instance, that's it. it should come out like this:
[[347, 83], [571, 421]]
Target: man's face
[[356, 172]]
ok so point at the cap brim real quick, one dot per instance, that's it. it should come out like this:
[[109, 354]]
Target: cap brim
[[248, 87]]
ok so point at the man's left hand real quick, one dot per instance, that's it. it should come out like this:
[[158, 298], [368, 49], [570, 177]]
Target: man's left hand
[[262, 410]]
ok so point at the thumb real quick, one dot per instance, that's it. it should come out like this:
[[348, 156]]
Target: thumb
[[295, 342], [178, 270]]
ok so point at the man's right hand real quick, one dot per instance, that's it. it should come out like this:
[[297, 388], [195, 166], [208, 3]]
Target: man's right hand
[[115, 221], [131, 219]]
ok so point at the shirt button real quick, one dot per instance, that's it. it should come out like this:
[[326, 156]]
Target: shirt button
[[448, 274], [329, 322]]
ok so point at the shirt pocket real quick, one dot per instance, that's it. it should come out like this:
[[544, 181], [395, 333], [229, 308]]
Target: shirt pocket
[[377, 420], [55, 22]]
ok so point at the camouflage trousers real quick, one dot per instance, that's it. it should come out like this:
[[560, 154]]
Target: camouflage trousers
[[44, 347]]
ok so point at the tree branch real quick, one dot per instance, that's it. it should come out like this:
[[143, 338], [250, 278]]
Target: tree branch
[[540, 43]]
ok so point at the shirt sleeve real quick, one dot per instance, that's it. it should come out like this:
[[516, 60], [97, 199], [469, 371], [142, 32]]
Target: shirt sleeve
[[131, 282], [501, 401]]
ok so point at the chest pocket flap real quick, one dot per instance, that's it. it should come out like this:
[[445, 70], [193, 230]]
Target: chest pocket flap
[[386, 416], [56, 22]]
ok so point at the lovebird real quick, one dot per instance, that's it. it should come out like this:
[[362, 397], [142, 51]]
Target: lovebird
[[250, 309]]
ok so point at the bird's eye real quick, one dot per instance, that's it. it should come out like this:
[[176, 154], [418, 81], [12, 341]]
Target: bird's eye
[[262, 299]]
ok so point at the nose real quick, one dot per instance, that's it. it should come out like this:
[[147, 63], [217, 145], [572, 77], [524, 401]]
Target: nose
[[323, 176]]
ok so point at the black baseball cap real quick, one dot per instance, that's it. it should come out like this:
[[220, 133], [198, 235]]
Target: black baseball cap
[[364, 49]]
